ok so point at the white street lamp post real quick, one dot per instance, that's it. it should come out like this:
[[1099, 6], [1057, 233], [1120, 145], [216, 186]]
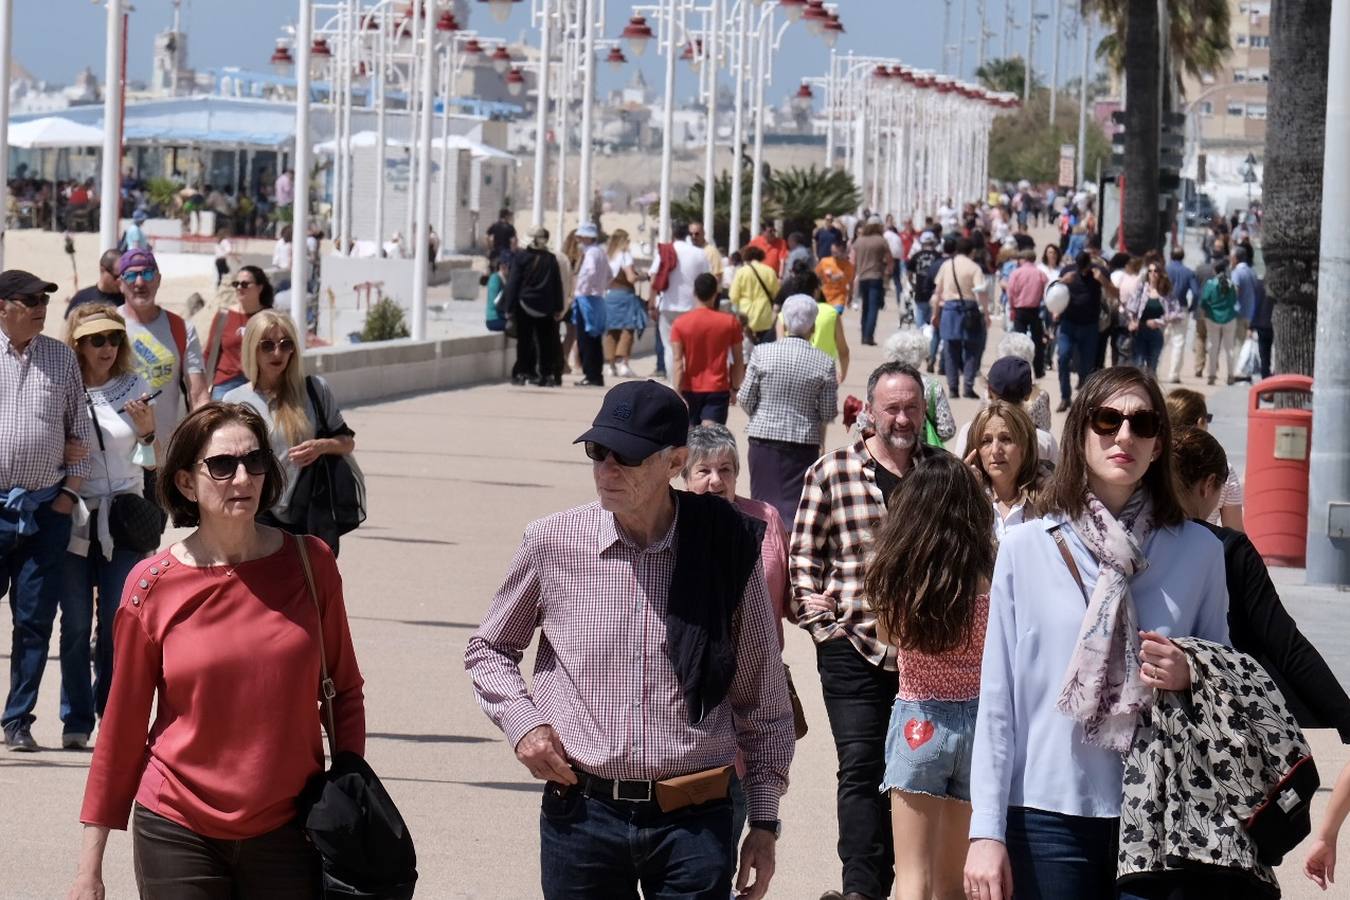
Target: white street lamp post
[[668, 122], [300, 209], [421, 234], [1029, 68], [1054, 62], [110, 191], [757, 176], [415, 67], [588, 22], [1082, 103], [541, 115], [6, 27], [712, 51], [739, 75], [381, 131]]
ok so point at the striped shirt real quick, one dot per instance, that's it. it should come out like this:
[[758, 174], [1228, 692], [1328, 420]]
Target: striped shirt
[[841, 505], [601, 675], [790, 392], [41, 405]]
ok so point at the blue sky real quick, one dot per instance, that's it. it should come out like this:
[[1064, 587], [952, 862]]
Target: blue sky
[[54, 39]]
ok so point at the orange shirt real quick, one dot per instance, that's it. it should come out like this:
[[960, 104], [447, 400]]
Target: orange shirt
[[706, 337], [836, 280], [775, 252]]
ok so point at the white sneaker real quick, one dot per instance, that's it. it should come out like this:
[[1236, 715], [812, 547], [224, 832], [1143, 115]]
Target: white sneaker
[[626, 371], [611, 370]]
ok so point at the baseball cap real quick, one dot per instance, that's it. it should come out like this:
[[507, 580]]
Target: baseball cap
[[18, 283], [1010, 378], [138, 216], [928, 238], [135, 258], [638, 418]]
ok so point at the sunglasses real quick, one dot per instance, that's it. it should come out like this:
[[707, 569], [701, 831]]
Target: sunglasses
[[146, 275], [599, 453], [99, 340], [1106, 421], [285, 345], [240, 285], [31, 300], [224, 466]]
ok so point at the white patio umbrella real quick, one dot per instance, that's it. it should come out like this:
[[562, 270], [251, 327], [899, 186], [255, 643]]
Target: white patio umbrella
[[53, 133]]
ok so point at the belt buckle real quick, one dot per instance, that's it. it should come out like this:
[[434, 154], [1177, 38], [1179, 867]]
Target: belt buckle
[[617, 791]]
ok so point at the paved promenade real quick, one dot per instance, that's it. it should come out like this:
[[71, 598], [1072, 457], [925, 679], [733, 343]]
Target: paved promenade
[[453, 478]]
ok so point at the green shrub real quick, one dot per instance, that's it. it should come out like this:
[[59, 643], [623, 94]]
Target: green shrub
[[384, 322]]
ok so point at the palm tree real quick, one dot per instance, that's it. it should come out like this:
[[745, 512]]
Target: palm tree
[[1197, 43], [1006, 75], [801, 196], [1292, 192]]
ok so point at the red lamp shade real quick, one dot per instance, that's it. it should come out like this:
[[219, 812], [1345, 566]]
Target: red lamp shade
[[320, 48], [615, 58], [446, 24], [515, 82], [501, 59], [794, 8], [472, 47], [636, 34]]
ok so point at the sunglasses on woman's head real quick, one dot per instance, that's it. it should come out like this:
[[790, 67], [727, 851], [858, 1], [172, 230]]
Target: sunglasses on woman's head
[[146, 275], [1106, 421], [285, 345], [99, 340], [222, 467], [599, 453]]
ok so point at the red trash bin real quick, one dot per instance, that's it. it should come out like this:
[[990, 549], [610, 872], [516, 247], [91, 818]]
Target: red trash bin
[[1275, 496]]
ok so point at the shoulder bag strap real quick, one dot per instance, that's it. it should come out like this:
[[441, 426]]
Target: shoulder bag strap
[[319, 412], [326, 690], [1068, 560], [102, 448], [755, 272], [216, 339]]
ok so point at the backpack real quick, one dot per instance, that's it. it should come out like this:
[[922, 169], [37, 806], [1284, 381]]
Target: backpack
[[178, 328], [665, 254]]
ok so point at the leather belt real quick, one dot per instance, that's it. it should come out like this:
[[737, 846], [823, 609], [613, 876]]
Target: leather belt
[[620, 789]]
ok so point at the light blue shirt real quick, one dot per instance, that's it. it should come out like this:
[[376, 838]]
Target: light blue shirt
[[1244, 279], [1028, 753]]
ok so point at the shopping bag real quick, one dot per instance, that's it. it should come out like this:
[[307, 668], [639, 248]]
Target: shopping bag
[[1249, 359]]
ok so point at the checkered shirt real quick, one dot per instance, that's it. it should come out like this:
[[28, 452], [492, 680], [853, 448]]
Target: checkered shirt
[[41, 405], [601, 675], [790, 392], [840, 506]]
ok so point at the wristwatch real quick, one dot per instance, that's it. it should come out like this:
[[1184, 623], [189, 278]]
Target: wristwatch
[[773, 825]]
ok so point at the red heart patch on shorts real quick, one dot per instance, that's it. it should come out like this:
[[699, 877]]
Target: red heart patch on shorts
[[918, 733]]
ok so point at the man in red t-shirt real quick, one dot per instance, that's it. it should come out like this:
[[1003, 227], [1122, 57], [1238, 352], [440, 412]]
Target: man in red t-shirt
[[699, 343], [775, 248]]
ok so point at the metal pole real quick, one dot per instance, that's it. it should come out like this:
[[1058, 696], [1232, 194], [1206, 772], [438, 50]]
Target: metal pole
[[738, 127], [6, 28], [447, 80], [1083, 102], [946, 33], [110, 190], [757, 177], [1009, 25], [564, 112], [1054, 64], [382, 61], [541, 117], [421, 236], [587, 109], [829, 113], [345, 93], [300, 215], [983, 40], [1028, 67], [1329, 481], [710, 62], [668, 124], [961, 57], [415, 67]]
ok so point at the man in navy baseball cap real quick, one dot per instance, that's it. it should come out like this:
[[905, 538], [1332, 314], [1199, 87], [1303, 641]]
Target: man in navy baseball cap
[[637, 419]]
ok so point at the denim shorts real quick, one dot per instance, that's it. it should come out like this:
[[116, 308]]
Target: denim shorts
[[928, 748]]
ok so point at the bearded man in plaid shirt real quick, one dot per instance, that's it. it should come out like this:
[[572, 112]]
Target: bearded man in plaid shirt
[[658, 660], [844, 498]]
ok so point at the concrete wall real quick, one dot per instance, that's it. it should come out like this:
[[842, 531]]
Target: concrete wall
[[365, 373]]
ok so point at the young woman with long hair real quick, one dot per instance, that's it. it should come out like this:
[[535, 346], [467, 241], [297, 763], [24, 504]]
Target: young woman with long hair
[[224, 345], [279, 391], [1003, 453], [625, 314], [1188, 410], [928, 582], [1082, 606]]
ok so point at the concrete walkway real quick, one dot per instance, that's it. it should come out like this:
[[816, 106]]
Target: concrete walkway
[[453, 479]]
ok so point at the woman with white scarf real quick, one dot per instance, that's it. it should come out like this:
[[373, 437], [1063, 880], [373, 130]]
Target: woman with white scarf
[[1082, 607]]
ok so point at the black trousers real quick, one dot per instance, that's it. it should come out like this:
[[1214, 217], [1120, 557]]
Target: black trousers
[[591, 349], [1028, 321], [538, 350], [858, 700], [175, 863]]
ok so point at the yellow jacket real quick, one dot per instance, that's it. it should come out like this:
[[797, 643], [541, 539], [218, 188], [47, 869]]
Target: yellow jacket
[[753, 298]]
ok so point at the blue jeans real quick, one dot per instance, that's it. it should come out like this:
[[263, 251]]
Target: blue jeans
[[1077, 343], [85, 576], [593, 847], [1148, 346], [963, 360], [219, 391], [34, 574], [873, 292], [1056, 856], [923, 314]]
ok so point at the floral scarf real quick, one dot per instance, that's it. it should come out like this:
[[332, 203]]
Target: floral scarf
[[1102, 689]]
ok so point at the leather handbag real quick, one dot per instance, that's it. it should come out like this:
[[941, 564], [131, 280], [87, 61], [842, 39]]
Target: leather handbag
[[135, 523], [362, 840]]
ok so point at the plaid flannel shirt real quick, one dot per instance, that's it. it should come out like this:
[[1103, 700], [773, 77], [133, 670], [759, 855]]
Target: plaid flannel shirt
[[790, 392], [840, 506], [41, 405]]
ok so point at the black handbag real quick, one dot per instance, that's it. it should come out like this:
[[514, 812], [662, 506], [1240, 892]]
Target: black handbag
[[329, 498], [135, 523], [348, 816]]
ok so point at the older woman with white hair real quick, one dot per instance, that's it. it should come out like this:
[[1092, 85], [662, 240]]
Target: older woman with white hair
[[790, 393], [909, 346], [1037, 404]]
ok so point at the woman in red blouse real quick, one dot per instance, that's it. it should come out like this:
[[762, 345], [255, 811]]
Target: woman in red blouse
[[220, 634]]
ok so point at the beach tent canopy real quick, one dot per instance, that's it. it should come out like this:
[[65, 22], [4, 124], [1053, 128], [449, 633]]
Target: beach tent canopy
[[476, 149], [53, 132]]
